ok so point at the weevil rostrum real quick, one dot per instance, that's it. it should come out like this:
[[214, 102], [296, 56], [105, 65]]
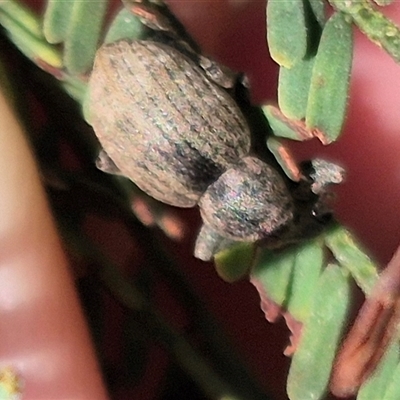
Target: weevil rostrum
[[170, 120]]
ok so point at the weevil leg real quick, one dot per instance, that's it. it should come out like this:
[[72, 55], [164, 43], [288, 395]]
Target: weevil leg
[[312, 193], [105, 164], [219, 74], [209, 242], [374, 329]]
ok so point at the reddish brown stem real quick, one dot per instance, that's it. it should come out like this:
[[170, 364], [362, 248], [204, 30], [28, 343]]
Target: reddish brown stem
[[371, 334]]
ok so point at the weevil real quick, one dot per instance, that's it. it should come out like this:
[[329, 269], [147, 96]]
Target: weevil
[[175, 123], [168, 118]]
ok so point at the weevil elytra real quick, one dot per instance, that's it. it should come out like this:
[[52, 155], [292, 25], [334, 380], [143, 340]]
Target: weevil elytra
[[167, 118]]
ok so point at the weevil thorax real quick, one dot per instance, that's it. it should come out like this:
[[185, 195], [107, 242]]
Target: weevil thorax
[[164, 124], [249, 202]]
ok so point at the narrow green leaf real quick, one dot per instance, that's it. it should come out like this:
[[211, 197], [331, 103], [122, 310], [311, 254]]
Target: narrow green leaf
[[349, 254], [377, 385], [233, 263], [83, 34], [378, 28], [285, 127], [283, 157], [312, 362], [327, 101], [293, 87], [287, 31], [124, 26], [23, 16], [56, 20], [393, 388], [34, 47], [280, 123], [306, 271], [273, 271]]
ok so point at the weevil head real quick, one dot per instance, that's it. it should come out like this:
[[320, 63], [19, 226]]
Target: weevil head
[[252, 202], [313, 197], [248, 202]]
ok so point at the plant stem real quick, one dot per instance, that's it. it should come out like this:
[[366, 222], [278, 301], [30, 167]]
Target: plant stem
[[378, 28]]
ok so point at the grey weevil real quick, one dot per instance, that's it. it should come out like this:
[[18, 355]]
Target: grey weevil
[[167, 119]]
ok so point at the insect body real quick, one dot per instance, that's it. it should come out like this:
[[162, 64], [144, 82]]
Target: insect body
[[172, 127], [166, 119], [163, 122]]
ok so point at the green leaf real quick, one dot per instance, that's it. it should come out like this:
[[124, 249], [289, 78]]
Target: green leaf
[[25, 17], [379, 29], [393, 388], [83, 35], [348, 253], [286, 127], [327, 101], [377, 385], [293, 87], [283, 157], [124, 26], [233, 263], [306, 271], [56, 20], [273, 270], [312, 362], [26, 39], [287, 31]]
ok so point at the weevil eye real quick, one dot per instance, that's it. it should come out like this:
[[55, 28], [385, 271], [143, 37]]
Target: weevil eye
[[322, 216]]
